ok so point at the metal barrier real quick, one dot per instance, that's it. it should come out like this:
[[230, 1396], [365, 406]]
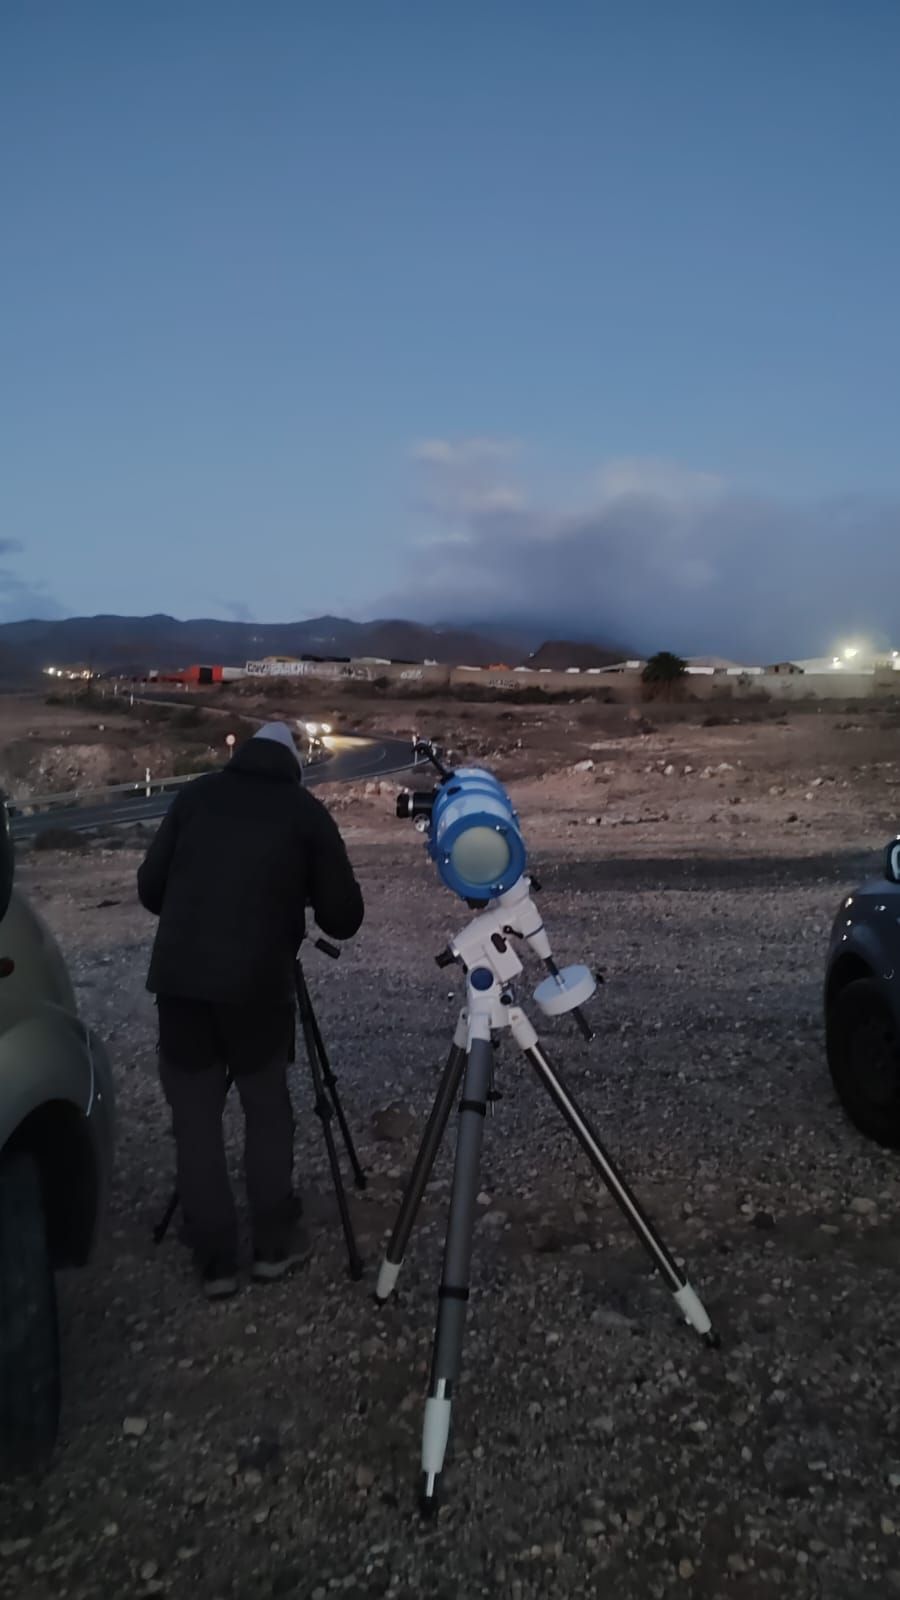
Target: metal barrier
[[143, 787], [76, 797]]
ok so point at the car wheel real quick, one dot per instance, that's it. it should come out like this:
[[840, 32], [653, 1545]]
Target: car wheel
[[29, 1334], [864, 1060]]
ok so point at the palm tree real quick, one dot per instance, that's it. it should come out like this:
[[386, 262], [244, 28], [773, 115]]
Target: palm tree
[[663, 673]]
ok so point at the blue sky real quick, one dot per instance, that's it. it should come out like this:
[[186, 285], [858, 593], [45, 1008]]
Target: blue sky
[[258, 253]]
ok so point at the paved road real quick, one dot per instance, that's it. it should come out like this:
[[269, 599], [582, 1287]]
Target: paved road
[[351, 760]]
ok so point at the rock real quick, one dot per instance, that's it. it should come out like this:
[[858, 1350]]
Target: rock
[[736, 1563], [135, 1427], [365, 1477], [863, 1207], [583, 766], [149, 1570], [669, 771], [792, 817], [13, 1547], [764, 1221], [494, 1219], [607, 1317], [685, 1568], [394, 1123]]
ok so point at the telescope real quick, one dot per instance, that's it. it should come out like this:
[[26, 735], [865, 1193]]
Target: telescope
[[474, 838], [475, 841]]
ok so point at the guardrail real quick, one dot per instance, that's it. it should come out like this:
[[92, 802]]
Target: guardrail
[[75, 797], [144, 787]]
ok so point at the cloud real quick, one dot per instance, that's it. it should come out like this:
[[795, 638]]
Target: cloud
[[464, 453], [467, 477], [238, 610], [651, 553]]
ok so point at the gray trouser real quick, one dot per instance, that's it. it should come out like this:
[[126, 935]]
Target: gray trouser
[[197, 1100]]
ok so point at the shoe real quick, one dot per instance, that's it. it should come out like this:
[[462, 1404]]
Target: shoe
[[219, 1279], [271, 1265]]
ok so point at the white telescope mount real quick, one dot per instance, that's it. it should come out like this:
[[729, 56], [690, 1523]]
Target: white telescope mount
[[485, 950]]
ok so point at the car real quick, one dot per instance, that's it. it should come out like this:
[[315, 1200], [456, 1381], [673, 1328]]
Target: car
[[56, 1152], [862, 1004]]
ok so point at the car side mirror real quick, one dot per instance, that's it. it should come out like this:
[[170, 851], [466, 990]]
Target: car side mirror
[[7, 861], [892, 862]]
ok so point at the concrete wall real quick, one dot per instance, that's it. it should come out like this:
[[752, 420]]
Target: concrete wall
[[624, 687]]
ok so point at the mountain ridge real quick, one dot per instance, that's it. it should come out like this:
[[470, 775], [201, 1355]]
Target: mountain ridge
[[109, 642]]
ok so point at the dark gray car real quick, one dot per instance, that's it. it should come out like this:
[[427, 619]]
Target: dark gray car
[[862, 1004], [56, 1108]]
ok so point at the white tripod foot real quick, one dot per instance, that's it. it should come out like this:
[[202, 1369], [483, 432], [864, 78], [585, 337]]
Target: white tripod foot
[[435, 1436], [388, 1274], [693, 1310]]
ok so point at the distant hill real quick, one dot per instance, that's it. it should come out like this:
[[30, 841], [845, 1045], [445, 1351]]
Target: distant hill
[[559, 654], [133, 645]]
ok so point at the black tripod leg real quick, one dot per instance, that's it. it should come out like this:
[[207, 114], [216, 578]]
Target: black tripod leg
[[686, 1298], [424, 1162], [324, 1113], [165, 1221], [330, 1080], [454, 1290]]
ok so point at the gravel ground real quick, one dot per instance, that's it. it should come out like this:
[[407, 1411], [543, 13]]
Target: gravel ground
[[269, 1446]]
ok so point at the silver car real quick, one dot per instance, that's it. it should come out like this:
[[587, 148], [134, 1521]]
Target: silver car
[[862, 1004], [56, 1138]]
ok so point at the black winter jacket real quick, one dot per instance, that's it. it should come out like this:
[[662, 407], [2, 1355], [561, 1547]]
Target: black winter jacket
[[236, 859]]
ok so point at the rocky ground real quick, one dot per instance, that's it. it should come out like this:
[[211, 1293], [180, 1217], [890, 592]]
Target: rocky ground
[[269, 1446]]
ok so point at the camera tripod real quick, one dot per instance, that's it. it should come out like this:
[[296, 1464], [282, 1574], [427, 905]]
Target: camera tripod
[[326, 1104], [490, 963]]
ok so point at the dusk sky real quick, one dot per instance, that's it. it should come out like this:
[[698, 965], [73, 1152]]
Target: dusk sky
[[581, 311]]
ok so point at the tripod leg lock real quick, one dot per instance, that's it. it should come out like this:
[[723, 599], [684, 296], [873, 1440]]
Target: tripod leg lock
[[693, 1309]]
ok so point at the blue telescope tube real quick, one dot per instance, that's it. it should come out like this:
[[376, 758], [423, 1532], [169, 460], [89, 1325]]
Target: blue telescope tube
[[474, 837]]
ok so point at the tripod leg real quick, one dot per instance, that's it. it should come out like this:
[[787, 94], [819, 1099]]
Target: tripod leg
[[323, 1111], [421, 1172], [686, 1298], [329, 1079], [454, 1290], [165, 1221]]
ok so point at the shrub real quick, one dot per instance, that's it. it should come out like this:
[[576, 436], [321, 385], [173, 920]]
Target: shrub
[[663, 672], [191, 764], [188, 717], [60, 839]]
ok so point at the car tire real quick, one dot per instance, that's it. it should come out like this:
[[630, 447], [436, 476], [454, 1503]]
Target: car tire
[[29, 1330], [864, 1060]]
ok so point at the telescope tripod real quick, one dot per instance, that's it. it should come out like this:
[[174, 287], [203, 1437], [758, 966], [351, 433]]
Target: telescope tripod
[[491, 965], [326, 1104]]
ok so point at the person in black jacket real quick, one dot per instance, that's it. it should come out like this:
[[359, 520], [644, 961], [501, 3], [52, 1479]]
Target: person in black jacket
[[236, 860]]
